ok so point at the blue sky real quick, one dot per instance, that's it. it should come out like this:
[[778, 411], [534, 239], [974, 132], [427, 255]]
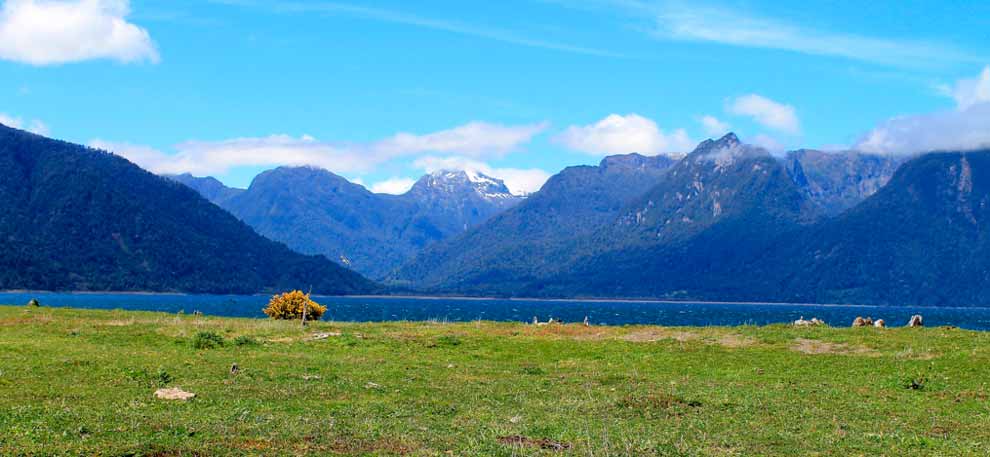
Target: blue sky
[[381, 92]]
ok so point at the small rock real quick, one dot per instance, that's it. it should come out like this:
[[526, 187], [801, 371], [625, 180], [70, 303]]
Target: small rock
[[174, 393], [372, 385], [310, 377], [916, 321], [323, 336]]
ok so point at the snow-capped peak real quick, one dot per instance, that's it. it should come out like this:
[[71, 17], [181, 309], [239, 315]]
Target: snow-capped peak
[[460, 181]]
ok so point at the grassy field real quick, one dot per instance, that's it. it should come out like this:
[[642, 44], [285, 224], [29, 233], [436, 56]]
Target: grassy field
[[75, 382]]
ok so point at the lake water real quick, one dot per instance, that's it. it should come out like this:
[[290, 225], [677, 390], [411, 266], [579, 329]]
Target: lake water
[[449, 309]]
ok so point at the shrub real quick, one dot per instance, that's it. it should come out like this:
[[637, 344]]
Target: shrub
[[34, 303], [290, 306], [245, 340], [448, 341], [161, 378], [207, 340]]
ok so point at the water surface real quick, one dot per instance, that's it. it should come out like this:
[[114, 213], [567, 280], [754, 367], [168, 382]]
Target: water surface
[[377, 309]]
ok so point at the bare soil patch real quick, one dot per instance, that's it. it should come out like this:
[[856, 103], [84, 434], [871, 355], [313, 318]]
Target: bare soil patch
[[541, 443], [824, 347]]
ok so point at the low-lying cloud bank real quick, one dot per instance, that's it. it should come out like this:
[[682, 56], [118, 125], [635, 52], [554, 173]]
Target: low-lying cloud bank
[[963, 129], [476, 140], [464, 147]]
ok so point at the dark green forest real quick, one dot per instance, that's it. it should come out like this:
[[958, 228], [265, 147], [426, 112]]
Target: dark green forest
[[75, 218]]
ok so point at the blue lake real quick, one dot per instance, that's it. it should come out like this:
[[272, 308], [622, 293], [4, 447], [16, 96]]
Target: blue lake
[[449, 309]]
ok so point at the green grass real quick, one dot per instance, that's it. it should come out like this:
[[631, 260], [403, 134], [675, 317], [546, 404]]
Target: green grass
[[75, 382]]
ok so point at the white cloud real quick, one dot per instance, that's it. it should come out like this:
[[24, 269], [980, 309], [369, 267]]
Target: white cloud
[[394, 186], [618, 134], [969, 92], [520, 181], [961, 130], [47, 32], [964, 129], [713, 126], [475, 139], [766, 112], [33, 126], [678, 21]]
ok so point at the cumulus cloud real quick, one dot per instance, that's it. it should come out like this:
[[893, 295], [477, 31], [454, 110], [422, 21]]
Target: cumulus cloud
[[713, 126], [766, 112], [617, 134], [963, 129], [393, 186], [33, 126], [48, 32], [520, 181], [475, 139]]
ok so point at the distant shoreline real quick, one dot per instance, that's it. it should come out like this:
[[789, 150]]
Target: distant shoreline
[[518, 299], [445, 297]]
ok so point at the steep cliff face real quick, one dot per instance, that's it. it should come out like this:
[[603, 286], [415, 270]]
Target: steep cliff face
[[837, 181], [922, 239]]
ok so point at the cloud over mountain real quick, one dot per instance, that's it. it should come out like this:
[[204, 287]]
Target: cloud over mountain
[[475, 140], [618, 134], [962, 129]]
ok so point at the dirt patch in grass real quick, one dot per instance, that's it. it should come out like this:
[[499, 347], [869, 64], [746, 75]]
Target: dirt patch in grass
[[733, 341], [254, 445], [386, 446], [910, 354], [659, 334], [17, 321], [539, 443], [824, 347], [118, 323], [728, 340]]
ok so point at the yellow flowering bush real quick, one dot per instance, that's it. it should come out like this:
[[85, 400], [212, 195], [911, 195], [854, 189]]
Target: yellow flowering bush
[[290, 306]]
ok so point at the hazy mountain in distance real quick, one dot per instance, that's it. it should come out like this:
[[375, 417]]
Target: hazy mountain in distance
[[837, 181], [317, 212], [209, 187]]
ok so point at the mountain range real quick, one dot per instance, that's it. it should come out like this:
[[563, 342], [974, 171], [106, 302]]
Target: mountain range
[[733, 222], [317, 212], [75, 218], [727, 221]]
